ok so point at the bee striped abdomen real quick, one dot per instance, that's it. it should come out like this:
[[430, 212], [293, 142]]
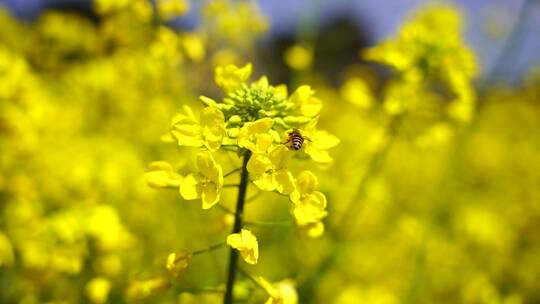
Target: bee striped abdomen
[[297, 141]]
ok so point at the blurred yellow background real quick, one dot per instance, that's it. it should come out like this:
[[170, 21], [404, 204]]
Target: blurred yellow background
[[433, 192]]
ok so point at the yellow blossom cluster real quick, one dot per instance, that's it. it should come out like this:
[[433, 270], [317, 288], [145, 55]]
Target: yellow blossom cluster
[[258, 118], [423, 58]]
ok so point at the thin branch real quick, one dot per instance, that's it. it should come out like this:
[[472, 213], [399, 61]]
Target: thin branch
[[254, 196], [284, 224], [200, 290], [220, 206], [204, 250], [230, 149], [252, 279], [232, 172]]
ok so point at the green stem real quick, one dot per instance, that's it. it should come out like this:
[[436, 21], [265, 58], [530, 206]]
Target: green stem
[[225, 209], [252, 279], [213, 247], [233, 257], [254, 196], [232, 172], [199, 290], [269, 224]]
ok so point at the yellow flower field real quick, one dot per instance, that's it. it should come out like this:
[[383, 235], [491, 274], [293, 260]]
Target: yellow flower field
[[143, 162]]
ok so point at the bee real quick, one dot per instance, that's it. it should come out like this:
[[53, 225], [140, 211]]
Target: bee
[[296, 140]]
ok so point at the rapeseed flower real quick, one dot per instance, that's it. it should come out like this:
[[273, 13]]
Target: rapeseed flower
[[308, 205], [97, 290], [162, 175], [177, 262], [247, 244], [299, 57], [421, 57], [257, 136], [282, 292], [207, 131], [169, 9], [318, 142], [270, 170], [230, 77], [206, 183]]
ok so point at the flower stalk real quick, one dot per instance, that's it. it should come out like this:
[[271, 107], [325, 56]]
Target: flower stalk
[[233, 257]]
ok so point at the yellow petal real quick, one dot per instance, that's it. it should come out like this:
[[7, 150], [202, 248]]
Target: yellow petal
[[261, 125], [315, 230], [172, 8], [210, 195], [176, 263], [356, 91], [255, 135], [161, 179], [263, 142], [320, 156], [281, 293], [231, 77], [212, 127], [281, 90], [299, 57], [295, 196], [162, 175], [262, 82], [284, 181], [246, 243], [97, 290], [234, 240], [301, 95], [208, 167], [209, 102], [324, 140], [305, 214], [279, 156], [258, 164], [186, 129], [156, 179], [310, 127], [266, 182], [251, 251], [310, 208], [307, 182], [311, 107], [318, 198], [189, 189], [193, 45], [160, 165], [188, 137]]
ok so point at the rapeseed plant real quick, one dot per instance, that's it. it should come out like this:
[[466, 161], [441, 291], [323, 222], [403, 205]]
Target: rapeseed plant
[[253, 121]]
